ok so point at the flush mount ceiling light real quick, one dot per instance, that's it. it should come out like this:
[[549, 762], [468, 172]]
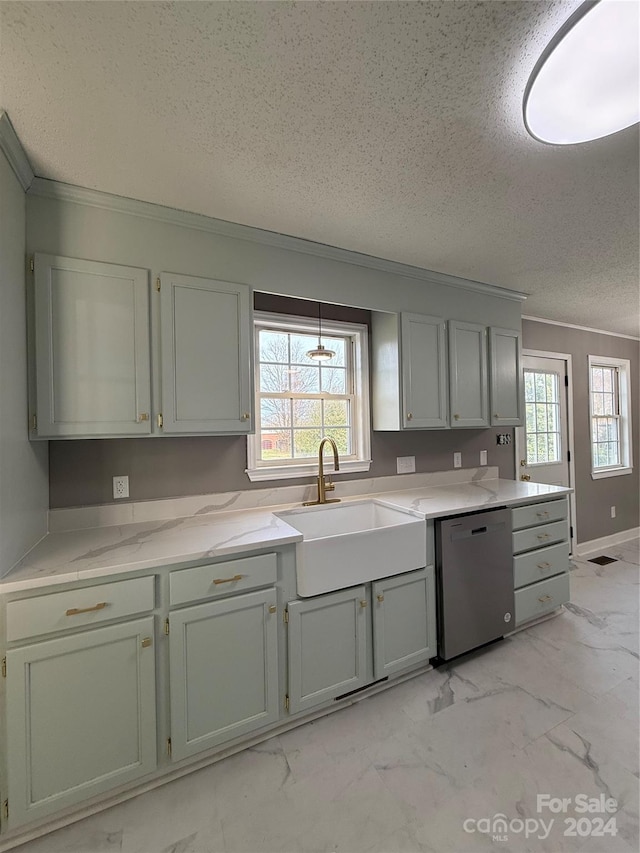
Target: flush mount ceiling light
[[585, 84], [320, 353]]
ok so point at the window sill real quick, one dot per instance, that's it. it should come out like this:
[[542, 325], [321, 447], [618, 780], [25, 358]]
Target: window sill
[[292, 472], [610, 472]]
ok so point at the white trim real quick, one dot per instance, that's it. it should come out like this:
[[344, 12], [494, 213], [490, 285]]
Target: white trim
[[14, 152], [567, 358], [361, 427], [607, 541], [626, 428], [106, 201], [581, 328]]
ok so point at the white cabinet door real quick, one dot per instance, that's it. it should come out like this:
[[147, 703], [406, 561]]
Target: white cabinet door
[[404, 621], [506, 377], [468, 386], [327, 642], [424, 372], [81, 713], [223, 671], [91, 348], [206, 341]]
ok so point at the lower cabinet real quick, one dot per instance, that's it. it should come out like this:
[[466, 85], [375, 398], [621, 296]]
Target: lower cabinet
[[404, 621], [223, 671], [81, 712], [327, 643]]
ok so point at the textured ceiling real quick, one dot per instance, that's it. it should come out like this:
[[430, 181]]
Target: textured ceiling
[[390, 128]]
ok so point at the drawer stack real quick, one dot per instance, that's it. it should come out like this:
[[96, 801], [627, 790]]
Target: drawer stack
[[540, 558]]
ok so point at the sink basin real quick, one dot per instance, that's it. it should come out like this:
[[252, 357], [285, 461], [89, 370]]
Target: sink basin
[[351, 543]]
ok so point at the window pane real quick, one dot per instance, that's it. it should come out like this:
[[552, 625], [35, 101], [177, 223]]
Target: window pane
[[596, 379], [336, 413], [334, 380], [306, 442], [275, 444], [305, 380], [274, 378], [275, 413], [338, 345], [607, 379], [274, 346], [300, 346], [607, 404], [342, 438], [307, 413]]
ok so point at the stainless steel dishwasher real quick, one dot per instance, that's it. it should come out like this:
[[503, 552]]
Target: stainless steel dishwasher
[[475, 580]]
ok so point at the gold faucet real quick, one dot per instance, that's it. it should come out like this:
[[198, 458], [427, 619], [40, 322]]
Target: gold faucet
[[324, 487]]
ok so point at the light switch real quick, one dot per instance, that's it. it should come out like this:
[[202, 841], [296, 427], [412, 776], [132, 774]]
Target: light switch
[[483, 457], [406, 464]]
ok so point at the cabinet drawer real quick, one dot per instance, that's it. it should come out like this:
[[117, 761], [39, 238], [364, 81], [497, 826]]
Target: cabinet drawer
[[527, 516], [216, 579], [541, 598], [60, 611], [540, 564], [538, 537]]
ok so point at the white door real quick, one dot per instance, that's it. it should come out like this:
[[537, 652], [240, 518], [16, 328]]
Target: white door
[[542, 444]]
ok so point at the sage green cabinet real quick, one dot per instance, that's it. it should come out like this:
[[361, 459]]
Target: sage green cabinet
[[223, 671], [505, 376], [468, 385], [404, 621], [409, 372], [206, 344], [81, 717], [327, 644], [91, 341]]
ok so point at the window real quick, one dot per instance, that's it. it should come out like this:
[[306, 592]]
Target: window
[[542, 409], [299, 401], [610, 412]]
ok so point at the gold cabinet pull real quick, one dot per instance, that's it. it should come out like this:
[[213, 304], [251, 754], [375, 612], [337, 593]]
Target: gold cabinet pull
[[273, 608], [74, 611], [380, 597], [146, 642], [544, 565], [228, 580], [525, 477], [143, 417], [363, 603], [544, 535], [543, 598], [543, 514]]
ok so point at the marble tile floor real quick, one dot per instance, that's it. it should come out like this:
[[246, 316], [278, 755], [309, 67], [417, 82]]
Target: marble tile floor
[[552, 710]]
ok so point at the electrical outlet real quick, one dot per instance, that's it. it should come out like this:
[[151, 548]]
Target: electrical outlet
[[483, 457], [613, 512], [503, 438], [457, 460], [120, 487], [405, 464]]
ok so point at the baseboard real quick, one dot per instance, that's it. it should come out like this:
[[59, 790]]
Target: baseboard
[[606, 541]]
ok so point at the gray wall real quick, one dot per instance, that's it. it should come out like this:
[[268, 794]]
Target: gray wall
[[594, 498], [23, 466]]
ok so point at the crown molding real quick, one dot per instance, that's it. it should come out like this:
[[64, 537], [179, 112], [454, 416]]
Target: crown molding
[[580, 328], [14, 152], [94, 198]]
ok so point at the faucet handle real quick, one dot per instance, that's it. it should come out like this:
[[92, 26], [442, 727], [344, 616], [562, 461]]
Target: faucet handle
[[329, 485]]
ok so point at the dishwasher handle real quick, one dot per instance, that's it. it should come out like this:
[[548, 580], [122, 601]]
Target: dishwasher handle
[[485, 530]]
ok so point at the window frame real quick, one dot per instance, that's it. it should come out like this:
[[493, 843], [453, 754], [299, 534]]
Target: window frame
[[358, 363], [623, 391]]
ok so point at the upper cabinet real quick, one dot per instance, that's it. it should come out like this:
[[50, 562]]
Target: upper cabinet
[[93, 373], [469, 397], [207, 380], [409, 372], [505, 377], [91, 349], [424, 380]]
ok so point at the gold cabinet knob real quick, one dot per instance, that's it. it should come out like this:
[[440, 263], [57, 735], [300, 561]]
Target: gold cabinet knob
[[363, 603], [380, 597], [523, 463], [245, 416], [456, 417], [409, 416], [496, 415], [273, 608], [526, 477], [146, 642]]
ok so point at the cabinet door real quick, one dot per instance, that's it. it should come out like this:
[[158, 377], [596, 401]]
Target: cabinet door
[[223, 671], [91, 348], [468, 374], [404, 621], [207, 383], [506, 377], [80, 717], [327, 647], [424, 372]]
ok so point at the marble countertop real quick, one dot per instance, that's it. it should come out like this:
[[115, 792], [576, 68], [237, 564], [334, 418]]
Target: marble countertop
[[64, 557]]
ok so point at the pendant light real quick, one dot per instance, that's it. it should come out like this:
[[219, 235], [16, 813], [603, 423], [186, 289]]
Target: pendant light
[[585, 84], [320, 353]]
